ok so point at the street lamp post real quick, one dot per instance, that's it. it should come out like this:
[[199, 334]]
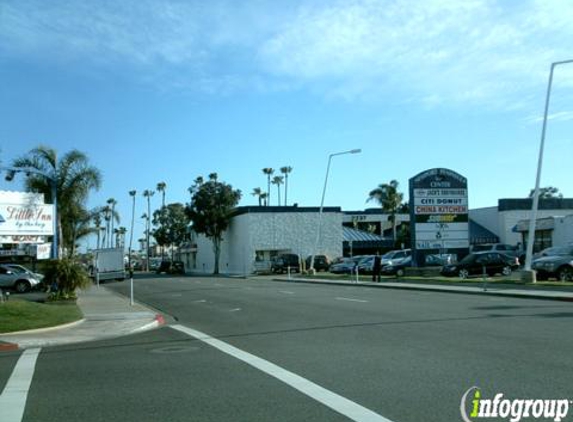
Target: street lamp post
[[535, 205], [319, 231], [53, 185]]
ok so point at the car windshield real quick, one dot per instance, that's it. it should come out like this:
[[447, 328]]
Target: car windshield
[[469, 259], [558, 251]]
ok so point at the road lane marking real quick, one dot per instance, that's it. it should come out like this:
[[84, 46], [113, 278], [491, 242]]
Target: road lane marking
[[200, 301], [286, 292], [235, 310], [15, 394], [332, 400], [352, 300]]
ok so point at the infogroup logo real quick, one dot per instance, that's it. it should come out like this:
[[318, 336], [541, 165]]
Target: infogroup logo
[[514, 410]]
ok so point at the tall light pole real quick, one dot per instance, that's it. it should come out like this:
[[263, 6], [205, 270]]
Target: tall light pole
[[319, 231], [132, 193], [535, 205], [54, 187]]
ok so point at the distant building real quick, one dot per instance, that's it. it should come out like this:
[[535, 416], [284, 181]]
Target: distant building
[[257, 234]]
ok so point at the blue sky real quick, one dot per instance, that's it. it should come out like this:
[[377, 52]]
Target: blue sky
[[168, 90]]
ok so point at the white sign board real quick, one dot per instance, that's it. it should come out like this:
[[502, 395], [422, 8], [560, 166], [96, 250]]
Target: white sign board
[[43, 251], [24, 220]]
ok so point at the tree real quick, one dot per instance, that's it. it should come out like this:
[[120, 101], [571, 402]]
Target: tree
[[74, 178], [387, 196], [547, 192], [264, 198], [113, 216], [278, 180], [286, 171], [172, 223], [147, 193], [269, 172], [210, 210], [161, 186], [258, 192]]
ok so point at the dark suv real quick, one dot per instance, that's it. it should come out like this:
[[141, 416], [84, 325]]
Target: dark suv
[[282, 263], [557, 265], [321, 262], [168, 267]]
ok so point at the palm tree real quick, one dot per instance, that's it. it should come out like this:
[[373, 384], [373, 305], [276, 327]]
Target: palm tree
[[286, 171], [112, 203], [269, 172], [97, 223], [387, 195], [263, 198], [148, 194], [278, 180], [258, 192], [73, 178], [161, 188]]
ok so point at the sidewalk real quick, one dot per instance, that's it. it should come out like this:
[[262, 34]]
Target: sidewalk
[[491, 289], [106, 315]]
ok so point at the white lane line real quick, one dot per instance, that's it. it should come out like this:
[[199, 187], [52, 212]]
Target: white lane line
[[286, 292], [199, 301], [352, 300], [235, 310], [13, 398], [332, 400]]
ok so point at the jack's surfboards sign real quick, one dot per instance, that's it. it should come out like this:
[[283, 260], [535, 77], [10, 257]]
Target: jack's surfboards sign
[[439, 212]]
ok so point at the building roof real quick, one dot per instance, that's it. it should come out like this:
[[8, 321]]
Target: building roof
[[282, 209], [353, 235], [479, 234], [521, 204]]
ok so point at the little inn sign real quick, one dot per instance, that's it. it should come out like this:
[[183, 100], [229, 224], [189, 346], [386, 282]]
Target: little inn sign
[[26, 220]]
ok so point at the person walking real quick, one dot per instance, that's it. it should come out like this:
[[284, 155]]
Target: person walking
[[376, 267]]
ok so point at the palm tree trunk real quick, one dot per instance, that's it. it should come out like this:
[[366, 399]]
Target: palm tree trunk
[[286, 188], [269, 189], [279, 194]]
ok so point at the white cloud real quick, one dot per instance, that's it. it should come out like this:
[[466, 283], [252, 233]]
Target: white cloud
[[492, 53], [446, 50]]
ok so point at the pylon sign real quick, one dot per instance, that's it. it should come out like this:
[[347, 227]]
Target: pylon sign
[[439, 221]]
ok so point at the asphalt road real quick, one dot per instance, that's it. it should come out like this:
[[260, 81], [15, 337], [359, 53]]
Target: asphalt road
[[408, 356]]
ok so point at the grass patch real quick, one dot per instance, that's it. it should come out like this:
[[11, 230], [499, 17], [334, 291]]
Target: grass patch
[[20, 315]]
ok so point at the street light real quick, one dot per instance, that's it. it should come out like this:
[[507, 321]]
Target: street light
[[534, 207], [11, 171], [319, 231]]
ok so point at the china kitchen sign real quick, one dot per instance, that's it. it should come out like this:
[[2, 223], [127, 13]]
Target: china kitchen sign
[[26, 220]]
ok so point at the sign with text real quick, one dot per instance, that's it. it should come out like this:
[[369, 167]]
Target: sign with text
[[438, 211], [26, 220]]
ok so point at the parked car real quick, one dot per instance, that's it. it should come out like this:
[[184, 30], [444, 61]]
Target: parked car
[[171, 267], [475, 263], [284, 262], [553, 251], [398, 267], [21, 269], [346, 265], [321, 262], [439, 260], [559, 264], [19, 281], [388, 257], [510, 250]]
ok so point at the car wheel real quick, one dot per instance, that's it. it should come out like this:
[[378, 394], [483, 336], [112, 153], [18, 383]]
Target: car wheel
[[22, 286], [506, 270], [566, 274], [463, 274], [400, 272]]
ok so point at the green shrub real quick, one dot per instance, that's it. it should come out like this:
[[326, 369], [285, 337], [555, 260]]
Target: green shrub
[[64, 276]]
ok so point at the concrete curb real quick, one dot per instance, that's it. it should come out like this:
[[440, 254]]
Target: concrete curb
[[433, 288], [45, 330]]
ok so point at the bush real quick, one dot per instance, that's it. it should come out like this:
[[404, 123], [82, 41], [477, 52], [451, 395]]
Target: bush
[[64, 276]]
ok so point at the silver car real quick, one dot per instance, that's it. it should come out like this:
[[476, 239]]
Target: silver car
[[20, 281]]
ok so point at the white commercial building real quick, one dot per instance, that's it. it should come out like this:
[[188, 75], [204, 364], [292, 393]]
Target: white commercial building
[[257, 234], [506, 220]]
